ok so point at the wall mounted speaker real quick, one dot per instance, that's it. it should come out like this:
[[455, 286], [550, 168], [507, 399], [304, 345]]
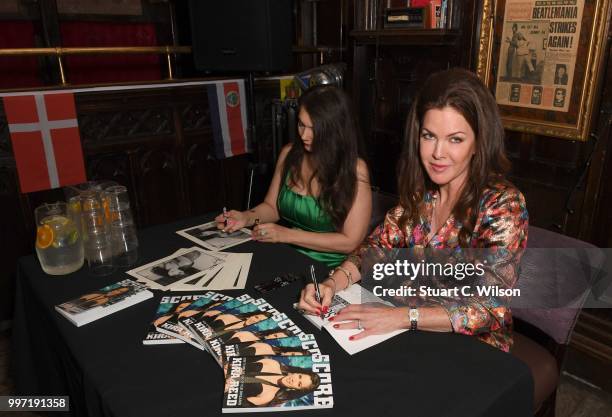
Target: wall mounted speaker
[[242, 35]]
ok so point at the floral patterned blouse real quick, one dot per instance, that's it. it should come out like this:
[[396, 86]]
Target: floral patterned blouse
[[501, 226]]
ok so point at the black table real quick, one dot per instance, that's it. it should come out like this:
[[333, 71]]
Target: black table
[[107, 371]]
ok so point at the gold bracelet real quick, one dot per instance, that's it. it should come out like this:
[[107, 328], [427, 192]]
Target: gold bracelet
[[348, 274]]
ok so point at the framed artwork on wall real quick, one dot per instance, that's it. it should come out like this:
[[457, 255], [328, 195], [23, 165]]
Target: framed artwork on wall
[[542, 60]]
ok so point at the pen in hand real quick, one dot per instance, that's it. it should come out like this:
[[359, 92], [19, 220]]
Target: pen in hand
[[224, 218], [316, 286]]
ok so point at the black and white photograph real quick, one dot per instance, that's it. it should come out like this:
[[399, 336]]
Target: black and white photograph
[[209, 236], [524, 52], [183, 265], [231, 274]]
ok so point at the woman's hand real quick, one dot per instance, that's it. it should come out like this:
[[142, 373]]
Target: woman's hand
[[271, 233], [373, 318], [236, 220], [308, 301]]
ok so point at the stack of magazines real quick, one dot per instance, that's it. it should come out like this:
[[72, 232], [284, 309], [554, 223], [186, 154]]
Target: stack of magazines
[[269, 363]]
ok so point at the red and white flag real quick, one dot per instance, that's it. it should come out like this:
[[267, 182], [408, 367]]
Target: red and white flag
[[228, 117], [46, 141]]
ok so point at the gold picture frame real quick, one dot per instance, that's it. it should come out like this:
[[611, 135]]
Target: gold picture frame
[[518, 113]]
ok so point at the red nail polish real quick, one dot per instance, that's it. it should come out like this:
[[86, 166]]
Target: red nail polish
[[330, 319], [325, 309], [352, 338]]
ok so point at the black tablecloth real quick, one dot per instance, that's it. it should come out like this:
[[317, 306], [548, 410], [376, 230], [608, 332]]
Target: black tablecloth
[[107, 371]]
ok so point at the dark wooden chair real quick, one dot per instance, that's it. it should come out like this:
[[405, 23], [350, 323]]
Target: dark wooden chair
[[554, 285]]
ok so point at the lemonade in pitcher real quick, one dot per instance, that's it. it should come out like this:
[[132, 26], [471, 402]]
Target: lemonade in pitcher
[[58, 241]]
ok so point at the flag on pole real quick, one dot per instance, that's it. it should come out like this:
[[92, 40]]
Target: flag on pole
[[46, 142], [227, 103]]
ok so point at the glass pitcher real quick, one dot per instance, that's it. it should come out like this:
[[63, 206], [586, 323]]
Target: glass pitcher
[[58, 240]]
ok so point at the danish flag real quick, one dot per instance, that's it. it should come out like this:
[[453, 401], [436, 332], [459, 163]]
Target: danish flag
[[46, 141]]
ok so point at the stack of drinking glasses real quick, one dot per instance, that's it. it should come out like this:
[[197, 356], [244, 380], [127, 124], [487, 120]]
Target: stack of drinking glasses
[[124, 240], [96, 233], [109, 234]]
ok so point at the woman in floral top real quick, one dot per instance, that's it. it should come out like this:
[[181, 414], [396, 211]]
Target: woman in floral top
[[453, 193]]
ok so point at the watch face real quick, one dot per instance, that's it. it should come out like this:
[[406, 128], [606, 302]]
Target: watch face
[[414, 314]]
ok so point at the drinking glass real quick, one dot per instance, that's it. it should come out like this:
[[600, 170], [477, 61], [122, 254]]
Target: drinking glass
[[58, 240], [124, 239], [96, 234]]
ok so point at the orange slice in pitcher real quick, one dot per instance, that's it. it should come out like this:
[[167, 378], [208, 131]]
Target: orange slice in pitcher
[[44, 236]]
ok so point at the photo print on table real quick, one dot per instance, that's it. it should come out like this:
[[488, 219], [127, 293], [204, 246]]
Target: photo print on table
[[209, 236], [183, 265]]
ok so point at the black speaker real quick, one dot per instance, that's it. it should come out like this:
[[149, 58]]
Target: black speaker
[[242, 35]]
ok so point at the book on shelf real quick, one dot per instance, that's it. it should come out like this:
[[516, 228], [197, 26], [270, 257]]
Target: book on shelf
[[277, 383], [434, 13], [355, 294], [409, 17], [107, 300]]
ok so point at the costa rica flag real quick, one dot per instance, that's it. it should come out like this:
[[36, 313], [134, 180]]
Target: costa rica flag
[[46, 142], [227, 103]]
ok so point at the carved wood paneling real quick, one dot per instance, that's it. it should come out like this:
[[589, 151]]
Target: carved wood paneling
[[195, 116], [205, 186], [104, 127], [158, 186]]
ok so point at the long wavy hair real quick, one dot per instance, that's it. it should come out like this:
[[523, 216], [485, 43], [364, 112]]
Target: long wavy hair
[[336, 147], [464, 92], [285, 394]]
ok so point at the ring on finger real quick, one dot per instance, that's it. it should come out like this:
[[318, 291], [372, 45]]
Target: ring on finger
[[359, 326], [262, 233]]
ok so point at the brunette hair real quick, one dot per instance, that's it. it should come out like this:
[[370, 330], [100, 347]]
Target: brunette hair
[[464, 92], [336, 147], [285, 394]]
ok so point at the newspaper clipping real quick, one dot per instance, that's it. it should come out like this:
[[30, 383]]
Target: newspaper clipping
[[538, 53]]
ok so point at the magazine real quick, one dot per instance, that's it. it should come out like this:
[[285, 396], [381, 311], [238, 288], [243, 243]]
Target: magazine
[[277, 383], [276, 327], [192, 316], [108, 300], [172, 327], [248, 313], [212, 238], [304, 344], [164, 312], [355, 294]]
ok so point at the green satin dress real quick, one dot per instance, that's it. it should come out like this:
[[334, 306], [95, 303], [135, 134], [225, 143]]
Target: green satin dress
[[304, 212]]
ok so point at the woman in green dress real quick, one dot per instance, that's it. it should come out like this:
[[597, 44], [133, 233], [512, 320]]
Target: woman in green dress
[[319, 199]]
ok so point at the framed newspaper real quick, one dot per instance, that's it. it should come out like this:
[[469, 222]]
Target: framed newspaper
[[542, 60]]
